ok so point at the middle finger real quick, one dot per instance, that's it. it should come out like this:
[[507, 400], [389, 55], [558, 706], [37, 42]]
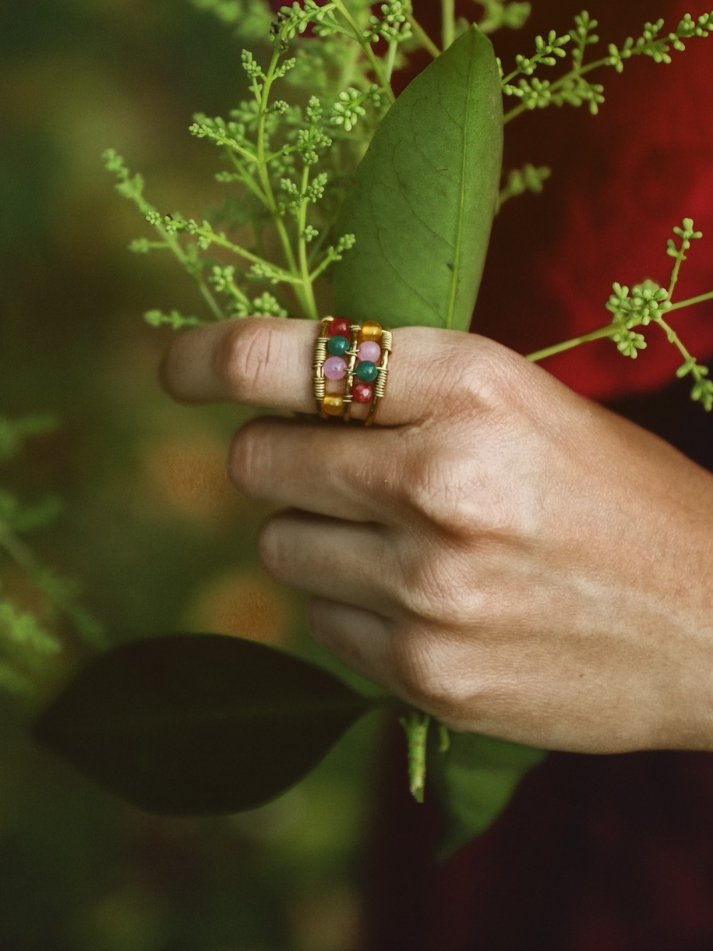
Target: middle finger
[[347, 473]]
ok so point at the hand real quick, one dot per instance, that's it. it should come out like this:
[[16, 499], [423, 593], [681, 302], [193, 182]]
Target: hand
[[495, 550]]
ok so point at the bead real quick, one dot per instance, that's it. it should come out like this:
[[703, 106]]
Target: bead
[[370, 330], [366, 371], [335, 368], [369, 350], [333, 405], [338, 345], [362, 392], [340, 326]]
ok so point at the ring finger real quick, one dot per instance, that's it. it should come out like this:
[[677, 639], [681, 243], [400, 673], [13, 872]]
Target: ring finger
[[347, 562]]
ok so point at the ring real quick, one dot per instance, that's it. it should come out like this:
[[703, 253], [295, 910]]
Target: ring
[[351, 365]]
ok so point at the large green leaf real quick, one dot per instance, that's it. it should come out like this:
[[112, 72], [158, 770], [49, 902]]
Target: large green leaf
[[425, 196], [198, 724], [477, 777]]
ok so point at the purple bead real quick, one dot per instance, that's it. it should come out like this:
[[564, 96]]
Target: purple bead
[[369, 350], [335, 368]]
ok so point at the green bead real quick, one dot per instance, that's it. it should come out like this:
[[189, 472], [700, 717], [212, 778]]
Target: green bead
[[366, 371], [338, 345]]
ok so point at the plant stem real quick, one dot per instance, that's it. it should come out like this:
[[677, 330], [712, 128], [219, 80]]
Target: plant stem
[[680, 257], [223, 242], [416, 728], [174, 245], [423, 37], [448, 22], [311, 305], [263, 98], [368, 51], [570, 344], [673, 338], [390, 59], [691, 300], [612, 328], [518, 110]]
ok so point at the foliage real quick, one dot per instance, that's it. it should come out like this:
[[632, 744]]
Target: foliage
[[199, 724], [648, 303], [572, 88], [425, 195], [476, 780], [28, 639]]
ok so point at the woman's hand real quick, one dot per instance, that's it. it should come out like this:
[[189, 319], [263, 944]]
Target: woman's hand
[[496, 550]]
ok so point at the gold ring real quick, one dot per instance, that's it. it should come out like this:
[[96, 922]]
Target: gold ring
[[351, 365]]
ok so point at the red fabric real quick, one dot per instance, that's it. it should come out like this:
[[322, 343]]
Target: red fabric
[[621, 181]]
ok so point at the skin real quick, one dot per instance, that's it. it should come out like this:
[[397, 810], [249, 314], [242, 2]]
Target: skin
[[495, 550]]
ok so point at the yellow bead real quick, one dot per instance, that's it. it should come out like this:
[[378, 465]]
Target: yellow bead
[[370, 330], [333, 404]]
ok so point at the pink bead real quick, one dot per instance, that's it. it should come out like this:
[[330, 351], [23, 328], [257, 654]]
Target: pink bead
[[335, 368], [362, 392], [369, 350]]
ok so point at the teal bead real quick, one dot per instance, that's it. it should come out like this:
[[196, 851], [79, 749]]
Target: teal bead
[[366, 371], [338, 345]]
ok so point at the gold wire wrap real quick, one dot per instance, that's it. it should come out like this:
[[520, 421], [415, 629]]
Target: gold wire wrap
[[320, 355], [319, 382], [382, 375], [352, 353]]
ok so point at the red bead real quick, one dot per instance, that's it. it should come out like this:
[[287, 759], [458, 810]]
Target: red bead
[[362, 392], [340, 326]]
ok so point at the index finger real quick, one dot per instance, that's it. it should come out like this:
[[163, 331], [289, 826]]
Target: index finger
[[268, 362]]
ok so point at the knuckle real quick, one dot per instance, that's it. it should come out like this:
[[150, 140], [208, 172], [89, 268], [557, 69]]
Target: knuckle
[[242, 356], [444, 489], [431, 672], [431, 586], [270, 546], [244, 456]]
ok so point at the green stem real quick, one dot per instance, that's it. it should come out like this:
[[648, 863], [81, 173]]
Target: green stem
[[677, 267], [691, 300], [673, 338], [612, 328], [599, 334], [322, 266], [416, 728], [174, 245], [390, 59], [448, 22], [368, 51], [203, 288], [311, 305], [270, 202], [423, 37], [245, 177], [223, 242], [518, 110]]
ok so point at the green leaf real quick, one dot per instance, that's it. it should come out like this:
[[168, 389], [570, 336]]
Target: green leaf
[[198, 724], [425, 195], [477, 777]]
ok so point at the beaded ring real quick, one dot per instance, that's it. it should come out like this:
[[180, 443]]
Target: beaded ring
[[351, 365]]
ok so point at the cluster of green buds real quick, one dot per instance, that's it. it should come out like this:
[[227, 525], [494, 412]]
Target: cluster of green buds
[[393, 24]]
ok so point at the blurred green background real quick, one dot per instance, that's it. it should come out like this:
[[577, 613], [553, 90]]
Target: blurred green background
[[150, 525]]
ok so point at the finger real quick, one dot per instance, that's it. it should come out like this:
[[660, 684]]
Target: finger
[[267, 362], [359, 637], [330, 558], [324, 470]]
